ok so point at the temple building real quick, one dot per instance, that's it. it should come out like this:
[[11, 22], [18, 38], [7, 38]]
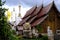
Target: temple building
[[44, 16]]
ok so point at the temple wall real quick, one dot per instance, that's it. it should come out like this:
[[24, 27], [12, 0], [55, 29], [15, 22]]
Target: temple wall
[[52, 20]]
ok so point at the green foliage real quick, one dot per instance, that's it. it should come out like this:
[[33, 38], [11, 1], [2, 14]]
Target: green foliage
[[39, 28], [43, 38], [5, 29]]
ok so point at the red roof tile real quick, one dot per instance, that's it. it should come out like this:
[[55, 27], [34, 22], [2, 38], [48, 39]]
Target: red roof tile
[[39, 21], [29, 12], [38, 9], [45, 10], [24, 20], [30, 20], [34, 13]]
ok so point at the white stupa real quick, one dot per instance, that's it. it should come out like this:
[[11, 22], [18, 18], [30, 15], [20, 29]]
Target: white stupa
[[18, 17]]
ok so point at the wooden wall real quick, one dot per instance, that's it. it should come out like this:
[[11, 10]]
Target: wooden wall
[[52, 20]]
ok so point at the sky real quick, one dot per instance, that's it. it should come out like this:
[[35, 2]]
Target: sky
[[27, 4], [57, 3]]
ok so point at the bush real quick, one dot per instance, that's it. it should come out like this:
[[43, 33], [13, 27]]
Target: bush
[[43, 38], [6, 32], [39, 28]]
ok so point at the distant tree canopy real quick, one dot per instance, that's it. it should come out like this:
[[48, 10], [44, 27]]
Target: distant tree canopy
[[5, 29]]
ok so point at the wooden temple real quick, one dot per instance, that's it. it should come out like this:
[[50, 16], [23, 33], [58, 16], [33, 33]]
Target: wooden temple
[[44, 16]]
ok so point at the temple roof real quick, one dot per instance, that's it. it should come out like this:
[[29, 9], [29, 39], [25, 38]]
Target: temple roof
[[45, 10], [36, 15], [29, 12], [38, 21], [30, 15]]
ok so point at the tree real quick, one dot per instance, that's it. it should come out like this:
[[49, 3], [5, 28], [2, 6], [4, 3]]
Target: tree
[[5, 29]]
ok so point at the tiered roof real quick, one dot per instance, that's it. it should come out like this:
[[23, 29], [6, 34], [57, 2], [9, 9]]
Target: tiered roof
[[36, 15]]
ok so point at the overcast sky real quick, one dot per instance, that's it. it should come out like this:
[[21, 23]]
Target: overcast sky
[[27, 4]]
